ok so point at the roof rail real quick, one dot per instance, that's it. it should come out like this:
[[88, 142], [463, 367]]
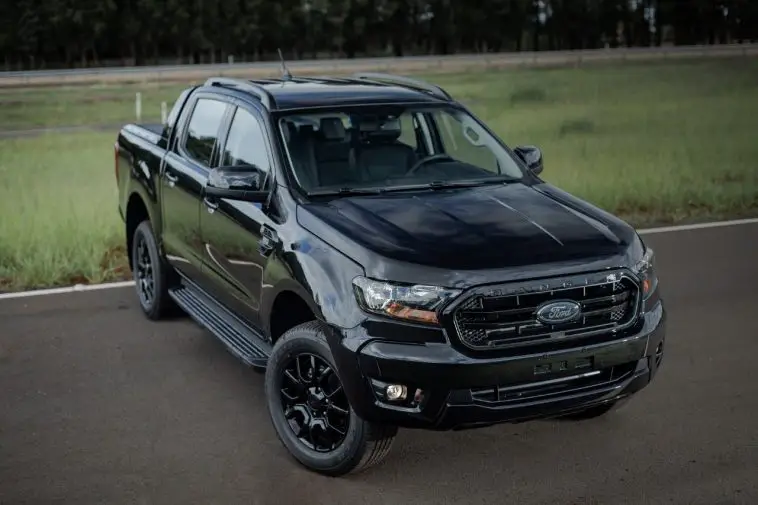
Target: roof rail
[[259, 91], [406, 82]]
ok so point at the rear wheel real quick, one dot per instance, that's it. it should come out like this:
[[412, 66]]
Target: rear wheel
[[310, 412], [150, 273]]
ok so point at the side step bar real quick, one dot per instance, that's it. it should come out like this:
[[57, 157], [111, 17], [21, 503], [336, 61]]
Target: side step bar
[[241, 340]]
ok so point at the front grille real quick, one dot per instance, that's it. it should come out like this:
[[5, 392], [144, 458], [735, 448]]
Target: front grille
[[494, 320], [587, 383]]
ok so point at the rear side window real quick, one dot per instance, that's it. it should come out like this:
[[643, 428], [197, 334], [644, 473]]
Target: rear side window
[[203, 129]]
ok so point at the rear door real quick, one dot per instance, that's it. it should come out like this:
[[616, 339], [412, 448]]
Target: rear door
[[185, 172]]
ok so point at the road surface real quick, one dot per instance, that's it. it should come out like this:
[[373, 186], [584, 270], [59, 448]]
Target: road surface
[[99, 405]]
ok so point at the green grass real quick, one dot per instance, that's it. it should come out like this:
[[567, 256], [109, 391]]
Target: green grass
[[654, 143], [76, 105], [60, 220]]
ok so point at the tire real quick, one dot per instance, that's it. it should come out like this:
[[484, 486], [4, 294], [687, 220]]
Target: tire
[[590, 413], [362, 444], [150, 273]]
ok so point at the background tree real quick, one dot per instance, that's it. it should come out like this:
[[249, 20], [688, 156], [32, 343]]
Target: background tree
[[76, 33]]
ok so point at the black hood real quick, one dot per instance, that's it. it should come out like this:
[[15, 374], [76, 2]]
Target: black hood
[[498, 226]]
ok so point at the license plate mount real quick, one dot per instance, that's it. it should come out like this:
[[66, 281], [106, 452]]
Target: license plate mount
[[566, 365]]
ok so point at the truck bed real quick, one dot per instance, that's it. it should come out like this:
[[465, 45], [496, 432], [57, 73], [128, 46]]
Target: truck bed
[[152, 132]]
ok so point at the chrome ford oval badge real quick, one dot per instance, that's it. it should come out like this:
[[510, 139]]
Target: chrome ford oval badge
[[558, 312]]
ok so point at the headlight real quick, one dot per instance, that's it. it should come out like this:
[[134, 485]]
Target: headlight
[[645, 270], [410, 302]]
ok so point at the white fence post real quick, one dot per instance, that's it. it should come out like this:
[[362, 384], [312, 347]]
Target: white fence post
[[138, 106]]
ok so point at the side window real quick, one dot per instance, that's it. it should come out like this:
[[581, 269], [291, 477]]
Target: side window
[[408, 130], [203, 128], [246, 144], [459, 147]]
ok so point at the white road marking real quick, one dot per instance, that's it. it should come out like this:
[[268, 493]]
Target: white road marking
[[698, 226], [67, 289], [112, 285]]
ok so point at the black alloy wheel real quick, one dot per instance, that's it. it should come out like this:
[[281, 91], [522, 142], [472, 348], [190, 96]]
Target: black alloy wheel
[[150, 273], [314, 402], [311, 412], [143, 270]]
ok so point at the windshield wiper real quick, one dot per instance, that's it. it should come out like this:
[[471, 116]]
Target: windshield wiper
[[466, 183], [438, 184], [453, 184], [347, 191], [473, 182]]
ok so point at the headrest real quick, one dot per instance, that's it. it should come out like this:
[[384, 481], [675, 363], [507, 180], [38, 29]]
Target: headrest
[[382, 129], [375, 125], [332, 128]]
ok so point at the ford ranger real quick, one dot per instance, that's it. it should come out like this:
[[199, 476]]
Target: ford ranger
[[385, 259]]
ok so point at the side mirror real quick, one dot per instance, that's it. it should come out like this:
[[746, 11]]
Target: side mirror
[[239, 182], [532, 156]]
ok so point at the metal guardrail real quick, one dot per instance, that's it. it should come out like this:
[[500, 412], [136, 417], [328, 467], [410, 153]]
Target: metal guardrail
[[387, 64]]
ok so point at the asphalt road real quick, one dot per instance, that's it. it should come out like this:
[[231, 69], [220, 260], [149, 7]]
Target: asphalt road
[[98, 405]]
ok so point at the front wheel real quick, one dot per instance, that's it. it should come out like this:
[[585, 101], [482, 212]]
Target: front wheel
[[310, 412]]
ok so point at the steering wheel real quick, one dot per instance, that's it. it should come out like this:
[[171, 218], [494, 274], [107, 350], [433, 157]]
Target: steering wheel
[[429, 159]]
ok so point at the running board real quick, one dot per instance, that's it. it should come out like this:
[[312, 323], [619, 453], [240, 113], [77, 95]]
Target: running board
[[241, 340]]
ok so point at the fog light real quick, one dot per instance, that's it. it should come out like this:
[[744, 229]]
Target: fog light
[[418, 397], [396, 392]]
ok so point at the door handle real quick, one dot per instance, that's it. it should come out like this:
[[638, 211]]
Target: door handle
[[171, 179], [210, 206]]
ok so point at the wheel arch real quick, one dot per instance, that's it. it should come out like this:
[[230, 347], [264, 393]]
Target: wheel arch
[[136, 212], [311, 275], [288, 308]]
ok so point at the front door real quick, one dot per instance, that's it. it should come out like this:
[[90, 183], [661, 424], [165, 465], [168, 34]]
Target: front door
[[232, 230], [184, 176]]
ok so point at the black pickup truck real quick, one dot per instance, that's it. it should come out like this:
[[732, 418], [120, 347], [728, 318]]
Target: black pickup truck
[[385, 259]]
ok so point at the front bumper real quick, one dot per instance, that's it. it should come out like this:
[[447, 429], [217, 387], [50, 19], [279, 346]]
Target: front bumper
[[460, 391]]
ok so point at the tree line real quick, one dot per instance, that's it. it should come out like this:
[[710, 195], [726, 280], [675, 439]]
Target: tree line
[[83, 33]]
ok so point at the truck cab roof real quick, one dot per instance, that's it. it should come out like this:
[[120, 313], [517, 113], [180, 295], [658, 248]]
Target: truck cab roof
[[308, 92]]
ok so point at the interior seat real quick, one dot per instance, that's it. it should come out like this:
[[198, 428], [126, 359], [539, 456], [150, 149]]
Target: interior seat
[[332, 152], [380, 154], [301, 147]]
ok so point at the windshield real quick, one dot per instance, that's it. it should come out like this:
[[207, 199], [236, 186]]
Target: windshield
[[392, 148]]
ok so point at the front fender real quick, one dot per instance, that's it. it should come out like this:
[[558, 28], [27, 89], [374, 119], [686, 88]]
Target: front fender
[[317, 273]]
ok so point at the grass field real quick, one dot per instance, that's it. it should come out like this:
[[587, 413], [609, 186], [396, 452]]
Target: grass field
[[654, 143], [77, 105]]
